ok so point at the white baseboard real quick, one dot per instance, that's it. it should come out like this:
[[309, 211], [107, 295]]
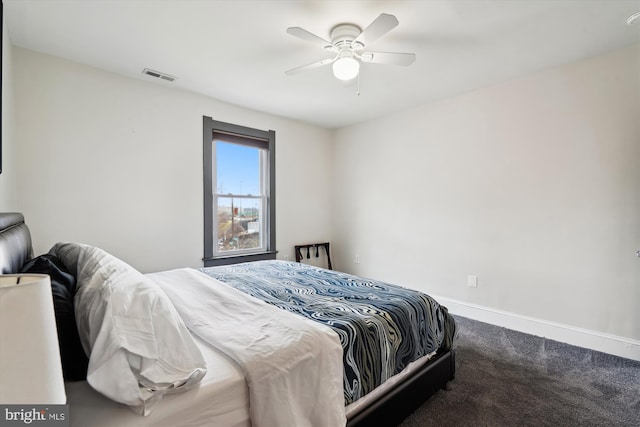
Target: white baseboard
[[606, 343]]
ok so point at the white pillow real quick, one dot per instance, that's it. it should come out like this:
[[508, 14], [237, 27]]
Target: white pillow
[[139, 348]]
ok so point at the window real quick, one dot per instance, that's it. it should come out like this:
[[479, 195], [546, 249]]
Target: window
[[239, 193]]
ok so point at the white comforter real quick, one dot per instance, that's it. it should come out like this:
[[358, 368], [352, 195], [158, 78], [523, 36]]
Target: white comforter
[[293, 366]]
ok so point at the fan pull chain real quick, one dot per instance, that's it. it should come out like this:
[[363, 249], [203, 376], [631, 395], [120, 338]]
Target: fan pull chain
[[358, 90]]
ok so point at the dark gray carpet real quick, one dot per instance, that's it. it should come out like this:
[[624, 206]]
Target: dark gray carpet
[[507, 378]]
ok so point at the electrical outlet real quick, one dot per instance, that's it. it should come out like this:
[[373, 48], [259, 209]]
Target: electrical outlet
[[472, 281], [356, 259], [287, 258]]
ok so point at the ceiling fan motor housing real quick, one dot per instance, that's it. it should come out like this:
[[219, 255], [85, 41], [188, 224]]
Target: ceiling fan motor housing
[[343, 34]]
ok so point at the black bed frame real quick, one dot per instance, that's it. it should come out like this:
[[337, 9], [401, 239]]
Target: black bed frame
[[398, 403], [386, 411]]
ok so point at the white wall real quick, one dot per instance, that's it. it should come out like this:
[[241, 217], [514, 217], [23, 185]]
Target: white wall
[[532, 185], [117, 163], [8, 185]]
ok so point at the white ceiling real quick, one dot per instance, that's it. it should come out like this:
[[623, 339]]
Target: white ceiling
[[237, 50]]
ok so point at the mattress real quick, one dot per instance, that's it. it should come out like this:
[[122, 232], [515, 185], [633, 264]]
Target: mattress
[[221, 399]]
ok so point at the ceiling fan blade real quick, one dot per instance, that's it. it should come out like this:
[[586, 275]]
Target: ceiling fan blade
[[394, 58], [305, 35], [310, 66], [379, 27]]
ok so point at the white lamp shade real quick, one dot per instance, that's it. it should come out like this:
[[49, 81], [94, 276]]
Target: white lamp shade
[[346, 68], [30, 367]]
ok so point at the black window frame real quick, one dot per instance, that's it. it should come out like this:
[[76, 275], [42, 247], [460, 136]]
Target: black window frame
[[238, 133]]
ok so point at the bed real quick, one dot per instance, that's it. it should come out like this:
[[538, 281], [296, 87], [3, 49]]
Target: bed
[[223, 393]]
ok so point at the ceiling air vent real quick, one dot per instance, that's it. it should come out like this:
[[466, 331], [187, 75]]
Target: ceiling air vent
[[158, 75]]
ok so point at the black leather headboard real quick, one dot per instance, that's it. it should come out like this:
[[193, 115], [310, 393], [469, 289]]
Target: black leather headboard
[[15, 243]]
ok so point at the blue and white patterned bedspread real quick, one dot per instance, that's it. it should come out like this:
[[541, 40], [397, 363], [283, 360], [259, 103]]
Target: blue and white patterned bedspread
[[382, 327]]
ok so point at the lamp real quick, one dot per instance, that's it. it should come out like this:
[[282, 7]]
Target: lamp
[[346, 67], [30, 365]]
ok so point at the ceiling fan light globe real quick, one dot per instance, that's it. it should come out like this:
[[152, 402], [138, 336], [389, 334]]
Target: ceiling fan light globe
[[346, 68]]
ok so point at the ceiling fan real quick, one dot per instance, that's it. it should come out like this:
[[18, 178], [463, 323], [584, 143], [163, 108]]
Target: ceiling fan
[[348, 42]]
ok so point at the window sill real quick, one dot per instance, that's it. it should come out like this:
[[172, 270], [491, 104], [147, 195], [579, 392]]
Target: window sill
[[236, 259]]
